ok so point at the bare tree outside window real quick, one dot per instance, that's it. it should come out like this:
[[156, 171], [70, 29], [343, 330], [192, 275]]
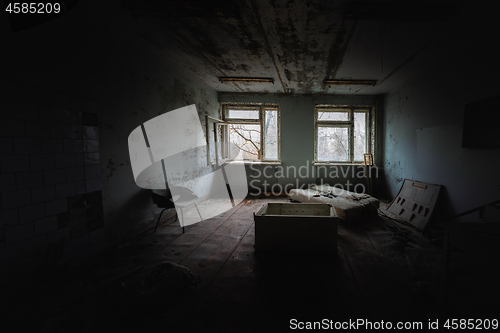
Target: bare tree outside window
[[342, 134], [254, 130], [247, 139]]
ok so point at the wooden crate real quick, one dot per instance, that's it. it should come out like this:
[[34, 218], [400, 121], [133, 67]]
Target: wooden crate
[[307, 227]]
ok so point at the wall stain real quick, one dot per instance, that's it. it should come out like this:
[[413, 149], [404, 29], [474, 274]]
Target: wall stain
[[110, 167]]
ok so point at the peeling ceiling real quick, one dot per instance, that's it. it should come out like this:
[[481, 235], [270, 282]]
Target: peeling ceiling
[[297, 43]]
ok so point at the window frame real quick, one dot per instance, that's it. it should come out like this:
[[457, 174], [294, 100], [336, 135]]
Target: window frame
[[351, 109], [261, 107]]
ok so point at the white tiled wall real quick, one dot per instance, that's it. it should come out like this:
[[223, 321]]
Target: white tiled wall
[[47, 155]]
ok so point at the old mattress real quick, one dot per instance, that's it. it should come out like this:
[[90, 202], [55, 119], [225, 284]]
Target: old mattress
[[347, 204]]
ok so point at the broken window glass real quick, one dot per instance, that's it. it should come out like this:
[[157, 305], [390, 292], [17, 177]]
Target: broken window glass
[[333, 144]]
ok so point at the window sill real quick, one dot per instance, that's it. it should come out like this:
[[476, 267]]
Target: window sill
[[338, 163], [256, 162]]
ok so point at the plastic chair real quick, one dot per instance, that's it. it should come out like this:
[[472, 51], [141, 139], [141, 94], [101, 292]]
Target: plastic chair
[[182, 199]]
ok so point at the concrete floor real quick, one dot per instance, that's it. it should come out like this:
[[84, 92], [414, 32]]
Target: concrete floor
[[237, 289]]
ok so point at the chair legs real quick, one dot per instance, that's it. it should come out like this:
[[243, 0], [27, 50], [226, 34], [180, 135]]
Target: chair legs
[[181, 219], [157, 222], [198, 212], [159, 217]]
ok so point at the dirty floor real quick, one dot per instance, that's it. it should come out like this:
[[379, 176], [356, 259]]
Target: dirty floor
[[383, 271]]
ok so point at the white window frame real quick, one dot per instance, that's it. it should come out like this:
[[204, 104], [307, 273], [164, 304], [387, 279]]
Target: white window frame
[[351, 109], [261, 107]]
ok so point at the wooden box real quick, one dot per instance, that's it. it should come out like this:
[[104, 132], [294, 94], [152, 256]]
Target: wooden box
[[305, 227]]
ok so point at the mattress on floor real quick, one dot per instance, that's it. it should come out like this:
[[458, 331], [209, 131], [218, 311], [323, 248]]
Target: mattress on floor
[[347, 204]]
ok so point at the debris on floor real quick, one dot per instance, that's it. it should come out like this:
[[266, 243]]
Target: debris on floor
[[167, 282]]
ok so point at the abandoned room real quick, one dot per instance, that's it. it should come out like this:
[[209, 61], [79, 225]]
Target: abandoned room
[[249, 165]]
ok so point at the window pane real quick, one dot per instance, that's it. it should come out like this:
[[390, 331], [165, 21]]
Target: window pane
[[243, 114], [271, 135], [247, 139], [222, 147], [333, 144], [359, 135], [329, 116]]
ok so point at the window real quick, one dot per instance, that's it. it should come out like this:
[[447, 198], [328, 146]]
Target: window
[[254, 129], [343, 134]]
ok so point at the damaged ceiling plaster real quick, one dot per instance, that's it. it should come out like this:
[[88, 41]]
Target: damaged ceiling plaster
[[297, 43]]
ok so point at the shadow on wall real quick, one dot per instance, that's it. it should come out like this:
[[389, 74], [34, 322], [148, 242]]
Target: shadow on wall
[[135, 215], [444, 207]]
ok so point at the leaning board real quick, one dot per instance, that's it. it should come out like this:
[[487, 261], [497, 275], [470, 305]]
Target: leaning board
[[415, 202]]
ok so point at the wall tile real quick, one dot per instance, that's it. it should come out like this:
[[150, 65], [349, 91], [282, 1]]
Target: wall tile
[[16, 199], [91, 158], [91, 146], [66, 131], [27, 146], [90, 132], [50, 114], [12, 92], [45, 225], [42, 162], [52, 146], [80, 187], [29, 179], [74, 174], [92, 185], [43, 193], [79, 160], [76, 104], [54, 176], [65, 160], [6, 147], [12, 128], [65, 190], [37, 96], [89, 119], [37, 130], [55, 237], [61, 101], [9, 218], [5, 109], [7, 182], [10, 254], [73, 146], [31, 213], [24, 111], [72, 117], [14, 163], [19, 233], [35, 245], [55, 207], [92, 172]]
